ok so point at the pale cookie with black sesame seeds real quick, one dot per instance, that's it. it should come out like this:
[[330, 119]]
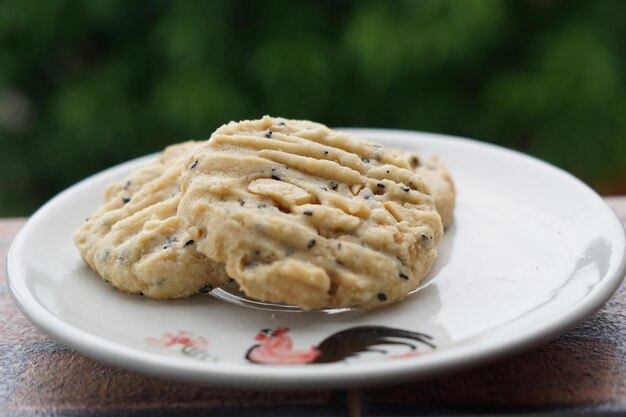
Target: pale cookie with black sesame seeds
[[135, 240], [308, 216]]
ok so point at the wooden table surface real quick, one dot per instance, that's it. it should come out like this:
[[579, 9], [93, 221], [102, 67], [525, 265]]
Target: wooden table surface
[[582, 372]]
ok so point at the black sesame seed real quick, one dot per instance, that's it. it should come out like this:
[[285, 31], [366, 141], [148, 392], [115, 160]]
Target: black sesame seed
[[382, 296], [125, 200], [380, 185], [333, 185], [127, 185], [120, 259], [308, 213], [268, 134], [424, 237], [339, 245], [193, 165], [242, 203], [405, 189], [324, 188], [169, 241], [311, 243], [366, 160], [325, 152], [367, 197], [282, 124], [276, 177], [205, 289], [404, 276], [190, 242], [261, 206]]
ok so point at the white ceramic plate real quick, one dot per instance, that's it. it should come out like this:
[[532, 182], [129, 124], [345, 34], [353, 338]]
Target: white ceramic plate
[[532, 251]]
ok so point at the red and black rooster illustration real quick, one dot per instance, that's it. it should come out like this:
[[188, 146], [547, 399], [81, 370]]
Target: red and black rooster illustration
[[276, 348]]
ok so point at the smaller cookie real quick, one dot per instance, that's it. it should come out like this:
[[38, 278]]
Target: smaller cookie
[[136, 241]]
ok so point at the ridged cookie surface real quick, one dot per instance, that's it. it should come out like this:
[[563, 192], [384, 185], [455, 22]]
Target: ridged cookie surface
[[136, 242], [439, 182], [304, 215]]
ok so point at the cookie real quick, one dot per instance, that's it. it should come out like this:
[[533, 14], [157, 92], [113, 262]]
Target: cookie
[[137, 243], [439, 182], [304, 215]]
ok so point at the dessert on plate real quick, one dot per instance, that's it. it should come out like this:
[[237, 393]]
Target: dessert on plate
[[293, 211]]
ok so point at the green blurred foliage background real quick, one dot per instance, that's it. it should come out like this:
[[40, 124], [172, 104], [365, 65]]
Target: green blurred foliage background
[[85, 85]]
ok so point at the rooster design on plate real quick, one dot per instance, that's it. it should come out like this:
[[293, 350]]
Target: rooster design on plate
[[276, 347]]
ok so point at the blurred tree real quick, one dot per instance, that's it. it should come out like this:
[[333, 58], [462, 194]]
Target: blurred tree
[[84, 85]]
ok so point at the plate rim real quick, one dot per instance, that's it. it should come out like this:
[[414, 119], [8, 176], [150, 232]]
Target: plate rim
[[291, 377]]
